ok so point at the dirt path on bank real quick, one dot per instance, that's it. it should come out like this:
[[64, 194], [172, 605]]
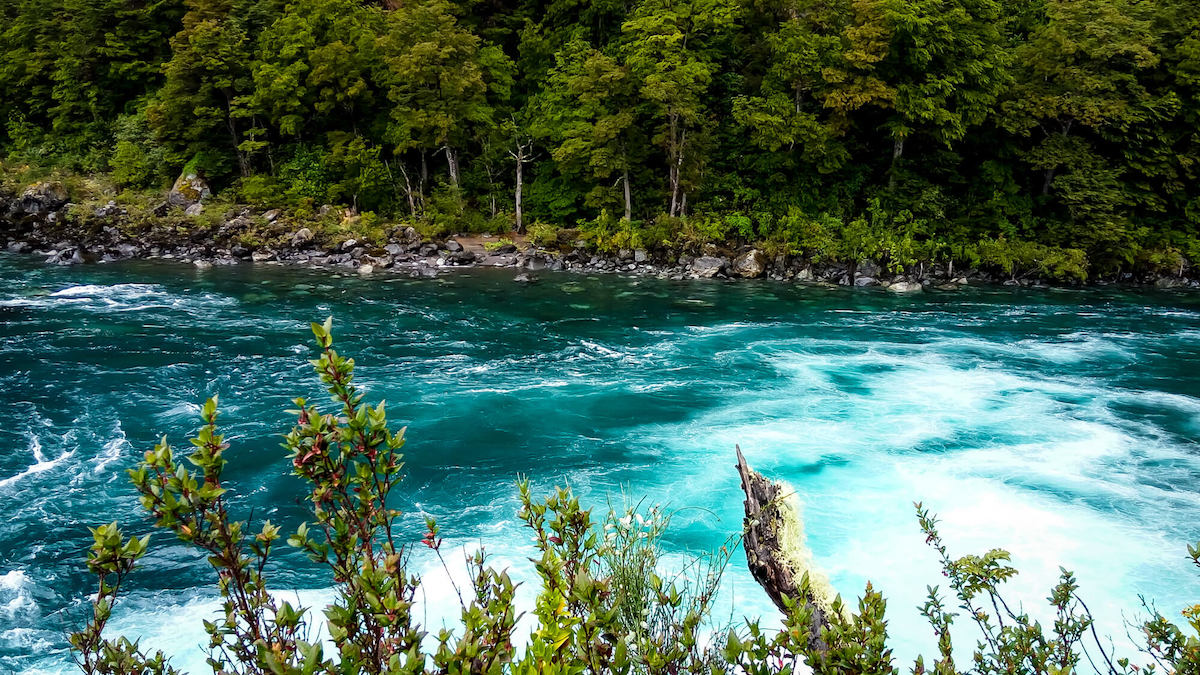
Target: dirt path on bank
[[475, 243]]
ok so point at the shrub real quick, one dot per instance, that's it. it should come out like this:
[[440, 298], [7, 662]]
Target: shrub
[[496, 245], [543, 235]]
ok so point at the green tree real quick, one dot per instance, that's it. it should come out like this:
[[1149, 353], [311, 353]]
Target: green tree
[[589, 112], [209, 79], [669, 47], [441, 83]]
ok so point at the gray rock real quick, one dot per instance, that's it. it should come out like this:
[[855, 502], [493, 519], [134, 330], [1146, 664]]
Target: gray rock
[[707, 267], [41, 198], [302, 237], [535, 263], [867, 281], [366, 269], [109, 210], [188, 189], [905, 287], [202, 265], [271, 216], [19, 247], [640, 256], [805, 274], [394, 249], [749, 265], [460, 258], [498, 260], [194, 210], [262, 256], [349, 244], [427, 250], [453, 246], [868, 268]]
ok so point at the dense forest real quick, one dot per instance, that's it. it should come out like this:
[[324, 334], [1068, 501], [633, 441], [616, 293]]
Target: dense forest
[[1066, 131]]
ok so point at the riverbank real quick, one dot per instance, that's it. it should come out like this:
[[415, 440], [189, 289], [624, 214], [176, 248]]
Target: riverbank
[[42, 220]]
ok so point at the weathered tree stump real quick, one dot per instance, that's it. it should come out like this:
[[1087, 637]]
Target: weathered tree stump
[[771, 559]]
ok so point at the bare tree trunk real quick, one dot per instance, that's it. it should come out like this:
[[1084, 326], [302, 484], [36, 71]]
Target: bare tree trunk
[[424, 178], [765, 552], [673, 158], [628, 195], [897, 152], [452, 164], [517, 195], [1049, 177], [408, 190]]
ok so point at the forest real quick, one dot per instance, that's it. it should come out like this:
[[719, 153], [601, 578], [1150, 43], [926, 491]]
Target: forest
[[1066, 131]]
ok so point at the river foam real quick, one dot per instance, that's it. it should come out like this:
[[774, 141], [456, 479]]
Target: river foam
[[1061, 426]]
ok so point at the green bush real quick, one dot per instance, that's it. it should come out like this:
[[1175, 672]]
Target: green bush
[[543, 235]]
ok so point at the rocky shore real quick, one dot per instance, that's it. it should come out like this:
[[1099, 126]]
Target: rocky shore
[[40, 220]]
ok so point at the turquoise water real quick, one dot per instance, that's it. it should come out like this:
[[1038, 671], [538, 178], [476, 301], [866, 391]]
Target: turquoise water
[[1063, 425]]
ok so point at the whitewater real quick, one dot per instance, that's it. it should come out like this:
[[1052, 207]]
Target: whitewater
[[1061, 425]]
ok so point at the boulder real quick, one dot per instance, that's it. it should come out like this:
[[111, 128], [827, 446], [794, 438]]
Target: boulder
[[194, 210], [866, 281], [707, 267], [349, 244], [366, 269], [749, 265], [535, 263], [905, 287], [188, 189], [302, 237], [271, 216], [40, 198], [640, 256], [394, 249], [805, 274], [453, 246], [202, 264], [498, 260], [262, 256], [460, 258]]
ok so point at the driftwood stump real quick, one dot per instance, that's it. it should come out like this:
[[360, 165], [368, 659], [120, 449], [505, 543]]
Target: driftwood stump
[[765, 551]]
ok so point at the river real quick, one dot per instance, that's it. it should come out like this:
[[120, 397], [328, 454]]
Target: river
[[1062, 425]]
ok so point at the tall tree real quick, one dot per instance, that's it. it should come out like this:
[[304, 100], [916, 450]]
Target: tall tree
[[441, 81], [669, 47], [589, 112]]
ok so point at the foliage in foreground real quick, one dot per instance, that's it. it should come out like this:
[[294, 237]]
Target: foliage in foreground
[[604, 602]]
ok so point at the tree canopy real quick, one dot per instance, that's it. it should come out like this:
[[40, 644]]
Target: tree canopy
[[927, 128]]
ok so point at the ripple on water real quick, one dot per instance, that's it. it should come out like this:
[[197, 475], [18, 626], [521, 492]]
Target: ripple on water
[[1061, 426]]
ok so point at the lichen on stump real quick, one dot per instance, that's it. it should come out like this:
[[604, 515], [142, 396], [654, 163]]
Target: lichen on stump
[[776, 553]]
